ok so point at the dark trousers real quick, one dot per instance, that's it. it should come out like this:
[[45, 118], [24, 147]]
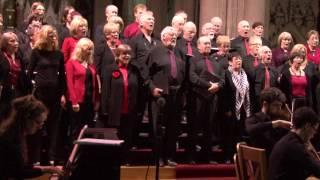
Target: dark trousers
[[201, 123], [167, 117], [125, 132]]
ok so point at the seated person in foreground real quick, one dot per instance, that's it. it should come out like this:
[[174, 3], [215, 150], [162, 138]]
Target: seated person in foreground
[[27, 117], [293, 156], [265, 128]]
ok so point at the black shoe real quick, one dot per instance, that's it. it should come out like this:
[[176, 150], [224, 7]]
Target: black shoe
[[171, 163]]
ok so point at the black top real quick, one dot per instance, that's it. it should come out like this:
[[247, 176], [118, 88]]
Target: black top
[[46, 68], [261, 132], [141, 48], [238, 44], [259, 78], [221, 60], [11, 161], [88, 86], [103, 57], [160, 69], [291, 160]]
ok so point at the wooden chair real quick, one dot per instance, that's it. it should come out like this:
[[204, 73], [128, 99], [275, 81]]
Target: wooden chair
[[252, 162], [237, 166]]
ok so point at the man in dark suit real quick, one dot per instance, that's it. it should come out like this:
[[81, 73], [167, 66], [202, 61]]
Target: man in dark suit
[[294, 157], [265, 75], [241, 43], [166, 70], [265, 128], [251, 61], [204, 93]]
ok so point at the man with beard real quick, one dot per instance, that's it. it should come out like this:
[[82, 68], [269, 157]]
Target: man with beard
[[265, 75], [265, 128], [166, 71]]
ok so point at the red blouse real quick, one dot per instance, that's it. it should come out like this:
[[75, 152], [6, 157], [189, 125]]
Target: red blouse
[[313, 56], [15, 69], [68, 46], [125, 100], [299, 85]]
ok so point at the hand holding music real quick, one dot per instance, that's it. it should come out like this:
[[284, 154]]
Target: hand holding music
[[51, 169], [281, 124], [76, 107]]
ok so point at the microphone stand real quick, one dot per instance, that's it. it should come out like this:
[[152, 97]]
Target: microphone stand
[[159, 131]]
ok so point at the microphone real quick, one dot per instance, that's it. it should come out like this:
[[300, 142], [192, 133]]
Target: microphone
[[161, 101]]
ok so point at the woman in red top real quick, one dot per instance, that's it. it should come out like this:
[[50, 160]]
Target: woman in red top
[[82, 86], [295, 82], [13, 81], [120, 88], [313, 50], [78, 30]]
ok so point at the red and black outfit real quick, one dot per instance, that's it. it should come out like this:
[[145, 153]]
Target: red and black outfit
[[82, 87], [296, 87], [313, 55], [13, 80], [47, 70], [68, 46], [120, 90]]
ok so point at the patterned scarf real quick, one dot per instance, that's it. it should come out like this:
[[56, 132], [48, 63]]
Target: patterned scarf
[[241, 83]]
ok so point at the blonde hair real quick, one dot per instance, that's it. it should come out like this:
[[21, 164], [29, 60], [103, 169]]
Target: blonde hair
[[76, 22], [44, 41], [223, 40], [117, 20], [284, 35], [77, 53], [109, 27], [297, 49]]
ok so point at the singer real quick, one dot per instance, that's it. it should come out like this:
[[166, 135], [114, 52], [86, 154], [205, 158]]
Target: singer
[[13, 81], [167, 71]]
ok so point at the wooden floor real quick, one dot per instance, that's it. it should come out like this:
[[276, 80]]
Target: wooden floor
[[147, 173]]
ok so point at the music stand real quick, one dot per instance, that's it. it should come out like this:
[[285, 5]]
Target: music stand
[[98, 158]]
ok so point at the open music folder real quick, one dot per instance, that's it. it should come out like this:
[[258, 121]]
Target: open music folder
[[103, 142]]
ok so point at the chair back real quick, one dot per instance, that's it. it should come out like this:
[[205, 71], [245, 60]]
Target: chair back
[[252, 162], [237, 166]]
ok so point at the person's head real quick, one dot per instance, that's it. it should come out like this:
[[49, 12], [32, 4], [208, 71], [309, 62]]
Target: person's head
[[47, 38], [32, 30], [265, 55], [244, 28], [177, 23], [183, 14], [207, 30], [313, 38], [255, 43], [223, 44], [257, 29], [272, 100], [123, 54], [27, 114], [9, 42], [217, 25], [296, 59], [66, 16], [204, 45], [147, 21], [138, 10], [235, 60], [285, 40], [83, 52], [111, 32], [111, 10], [189, 31], [79, 27], [169, 37], [305, 122], [37, 8], [299, 48], [117, 20]]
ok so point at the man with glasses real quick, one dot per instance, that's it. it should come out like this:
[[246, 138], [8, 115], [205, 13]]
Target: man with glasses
[[265, 128]]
